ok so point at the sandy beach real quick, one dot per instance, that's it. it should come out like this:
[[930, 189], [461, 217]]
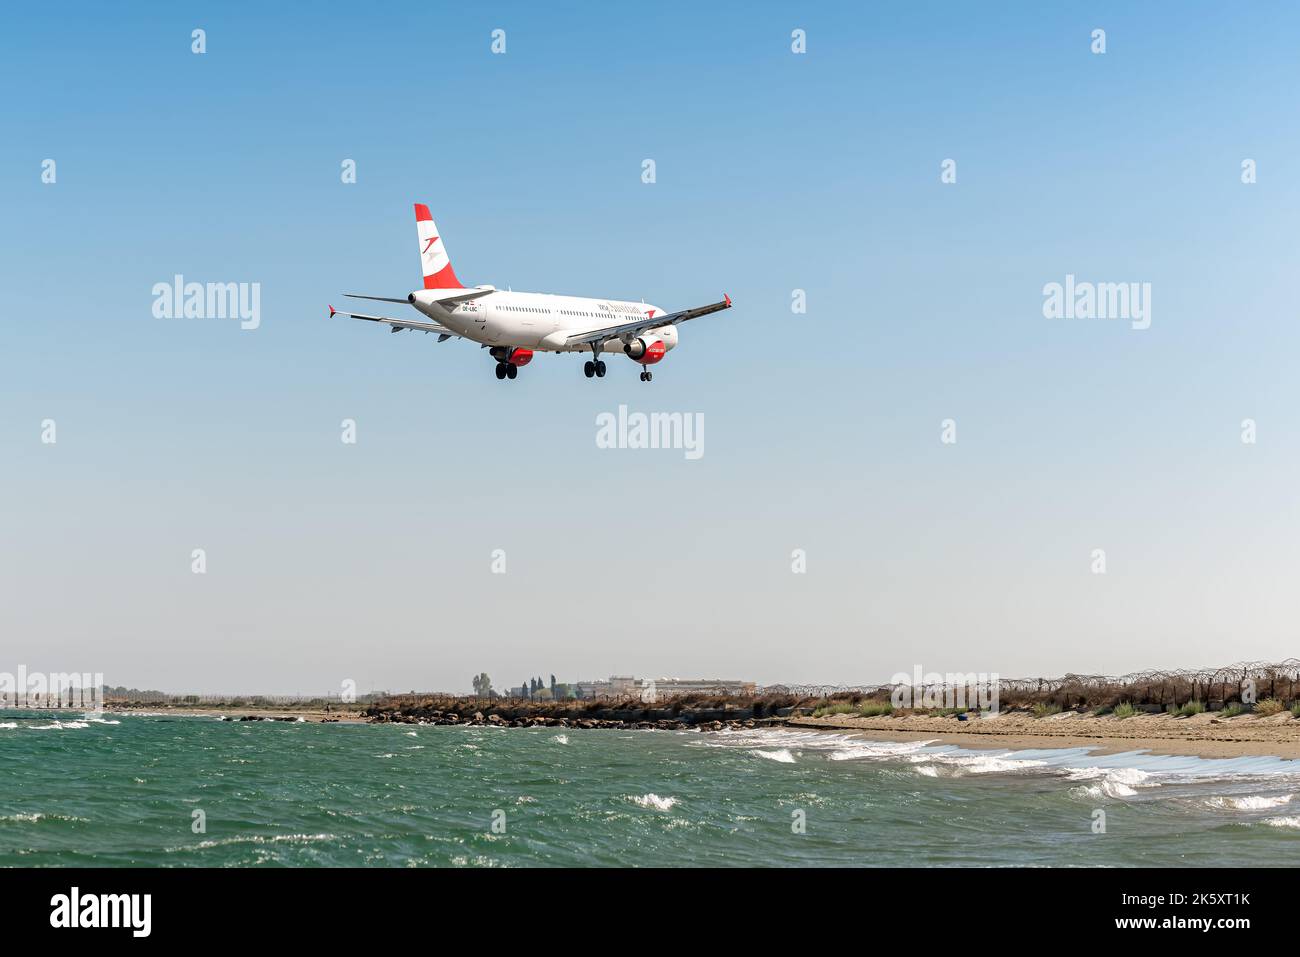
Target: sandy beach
[[1202, 735]]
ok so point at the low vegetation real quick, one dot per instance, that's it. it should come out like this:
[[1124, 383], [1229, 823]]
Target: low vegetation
[[1125, 709], [1269, 707], [831, 710], [1189, 709], [1043, 709]]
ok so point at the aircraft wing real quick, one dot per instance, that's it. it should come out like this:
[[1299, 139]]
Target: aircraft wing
[[627, 328], [397, 325]]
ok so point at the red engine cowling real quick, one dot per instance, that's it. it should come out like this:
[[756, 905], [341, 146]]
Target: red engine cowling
[[645, 351], [516, 357]]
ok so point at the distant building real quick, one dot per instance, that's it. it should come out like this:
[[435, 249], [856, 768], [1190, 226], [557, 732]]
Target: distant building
[[673, 687], [618, 686], [625, 686]]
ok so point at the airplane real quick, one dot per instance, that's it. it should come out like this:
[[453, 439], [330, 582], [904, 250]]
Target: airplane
[[513, 326]]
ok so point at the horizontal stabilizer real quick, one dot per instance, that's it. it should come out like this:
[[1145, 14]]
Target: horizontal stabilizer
[[353, 295], [397, 325]]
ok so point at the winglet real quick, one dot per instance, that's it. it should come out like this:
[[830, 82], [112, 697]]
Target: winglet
[[728, 298], [332, 313]]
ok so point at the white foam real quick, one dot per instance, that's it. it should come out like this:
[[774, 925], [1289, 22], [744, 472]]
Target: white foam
[[1134, 777], [1283, 821], [781, 756], [1251, 802], [1121, 782], [859, 749], [33, 818], [256, 839], [9, 724], [655, 801], [1119, 775], [1001, 762], [560, 739], [1107, 788]]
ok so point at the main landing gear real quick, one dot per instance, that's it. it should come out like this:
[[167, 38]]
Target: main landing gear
[[593, 366], [646, 375], [507, 371]]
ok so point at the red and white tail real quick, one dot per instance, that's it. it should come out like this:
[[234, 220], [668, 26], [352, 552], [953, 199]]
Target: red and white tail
[[434, 261]]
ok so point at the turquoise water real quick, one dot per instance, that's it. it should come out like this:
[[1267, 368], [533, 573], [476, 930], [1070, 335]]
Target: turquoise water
[[122, 790]]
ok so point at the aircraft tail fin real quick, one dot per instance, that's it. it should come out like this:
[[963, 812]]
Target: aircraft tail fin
[[434, 261]]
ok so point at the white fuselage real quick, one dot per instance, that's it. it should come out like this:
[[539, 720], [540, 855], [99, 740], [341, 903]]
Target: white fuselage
[[538, 321]]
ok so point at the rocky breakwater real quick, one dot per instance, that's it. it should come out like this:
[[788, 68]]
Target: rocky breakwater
[[582, 718]]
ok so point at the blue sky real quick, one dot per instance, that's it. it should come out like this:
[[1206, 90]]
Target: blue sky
[[775, 172]]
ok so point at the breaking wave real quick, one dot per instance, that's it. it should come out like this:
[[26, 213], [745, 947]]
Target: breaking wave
[[654, 801], [1251, 802], [781, 756]]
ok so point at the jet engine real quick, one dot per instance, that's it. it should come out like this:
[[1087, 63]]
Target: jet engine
[[646, 350], [515, 357]]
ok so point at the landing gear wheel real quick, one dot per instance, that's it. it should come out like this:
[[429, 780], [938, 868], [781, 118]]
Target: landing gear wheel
[[649, 375], [512, 372], [588, 369], [600, 369], [501, 370]]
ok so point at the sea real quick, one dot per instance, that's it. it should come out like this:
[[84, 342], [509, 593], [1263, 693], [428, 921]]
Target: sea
[[184, 791]]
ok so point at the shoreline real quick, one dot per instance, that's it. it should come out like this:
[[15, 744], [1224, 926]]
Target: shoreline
[[1203, 736], [1245, 736]]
